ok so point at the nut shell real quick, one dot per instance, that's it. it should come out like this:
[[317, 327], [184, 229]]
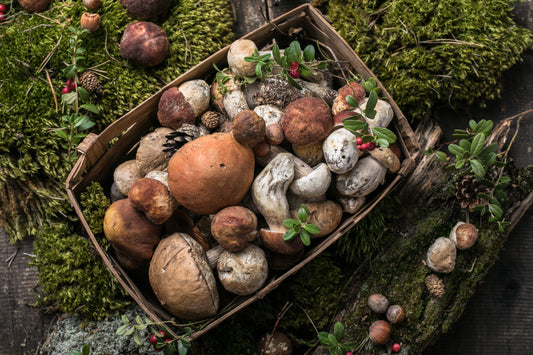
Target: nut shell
[[380, 332], [441, 255], [307, 120], [91, 22], [378, 303], [395, 314], [144, 43]]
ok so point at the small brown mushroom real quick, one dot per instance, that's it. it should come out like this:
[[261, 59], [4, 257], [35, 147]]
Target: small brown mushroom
[[153, 198], [181, 278], [273, 241], [307, 120], [243, 272], [327, 215], [144, 43], [248, 127], [34, 5], [181, 105], [131, 234], [92, 4], [144, 9], [234, 227], [355, 90]]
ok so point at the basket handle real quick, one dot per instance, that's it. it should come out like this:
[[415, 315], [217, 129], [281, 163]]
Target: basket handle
[[90, 150]]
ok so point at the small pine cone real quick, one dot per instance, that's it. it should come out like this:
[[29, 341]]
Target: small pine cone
[[210, 120], [435, 286], [89, 81], [467, 192], [184, 134]]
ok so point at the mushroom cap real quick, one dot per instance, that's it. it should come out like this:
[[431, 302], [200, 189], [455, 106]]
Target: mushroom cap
[[144, 9], [144, 43], [181, 278], [354, 89], [132, 235], [327, 215], [248, 127], [211, 172], [238, 50], [150, 155], [441, 255], [196, 92], [243, 272], [173, 110], [307, 120], [464, 235], [273, 241], [34, 5], [153, 198], [125, 175], [233, 227]]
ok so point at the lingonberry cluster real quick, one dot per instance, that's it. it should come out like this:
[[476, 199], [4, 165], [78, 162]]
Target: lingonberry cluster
[[362, 146], [2, 11], [69, 86], [294, 72], [156, 343]]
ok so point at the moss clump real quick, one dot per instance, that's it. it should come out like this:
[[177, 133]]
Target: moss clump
[[34, 46], [453, 51], [73, 276], [95, 204]]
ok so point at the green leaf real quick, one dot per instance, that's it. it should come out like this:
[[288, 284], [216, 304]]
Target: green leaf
[[332, 339], [61, 133], [276, 54], [309, 53], [302, 215], [478, 208], [350, 345], [293, 82], [372, 101], [182, 349], [500, 195], [459, 164], [258, 72], [477, 144], [140, 326], [354, 125], [289, 235], [91, 108], [312, 228], [484, 127], [124, 318], [496, 210], [460, 134], [337, 351], [322, 66], [491, 149], [170, 349], [86, 125], [69, 71], [69, 98], [472, 124], [350, 100], [86, 349], [323, 337], [305, 70], [290, 223], [122, 329], [338, 330], [429, 151], [137, 338], [384, 133], [465, 144], [296, 49], [478, 169], [441, 156], [456, 150], [305, 237], [382, 142], [129, 331]]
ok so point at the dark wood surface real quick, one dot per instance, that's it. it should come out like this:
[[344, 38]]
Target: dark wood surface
[[497, 319]]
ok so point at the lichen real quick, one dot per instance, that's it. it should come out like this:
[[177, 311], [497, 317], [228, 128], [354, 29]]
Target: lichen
[[427, 54]]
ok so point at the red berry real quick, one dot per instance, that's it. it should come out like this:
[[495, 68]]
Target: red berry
[[359, 147], [294, 73], [359, 141], [364, 146], [65, 90], [370, 146], [2, 8], [71, 84], [348, 353], [153, 339], [294, 65], [2, 16], [396, 347]]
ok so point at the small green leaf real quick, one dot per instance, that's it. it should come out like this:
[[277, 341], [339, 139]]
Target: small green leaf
[[322, 66], [350, 100], [441, 156], [478, 208], [140, 326], [91, 108], [500, 195], [86, 125], [69, 98], [478, 169], [309, 53], [296, 49], [384, 133], [495, 210], [372, 101], [459, 164], [332, 339], [293, 82], [302, 215], [122, 329], [83, 93], [323, 337], [477, 144], [429, 151], [382, 142], [289, 235], [354, 125], [170, 349], [460, 134], [290, 223], [305, 70], [338, 330], [305, 237], [137, 338], [312, 228], [456, 150], [276, 54], [182, 349], [124, 318], [465, 144], [472, 124], [61, 133]]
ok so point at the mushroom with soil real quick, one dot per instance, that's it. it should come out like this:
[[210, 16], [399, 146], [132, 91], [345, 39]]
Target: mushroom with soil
[[144, 43], [307, 120], [353, 89], [248, 127], [340, 151], [243, 272]]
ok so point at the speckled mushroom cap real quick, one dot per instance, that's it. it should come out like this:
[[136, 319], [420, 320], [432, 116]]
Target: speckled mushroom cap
[[144, 43], [181, 278], [143, 9], [307, 120]]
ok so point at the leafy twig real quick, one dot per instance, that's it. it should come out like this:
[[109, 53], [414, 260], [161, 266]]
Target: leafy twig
[[300, 227]]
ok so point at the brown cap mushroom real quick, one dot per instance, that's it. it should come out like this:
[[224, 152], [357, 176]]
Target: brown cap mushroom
[[132, 235], [327, 215], [354, 89], [34, 5], [307, 120], [273, 241], [181, 278], [248, 127], [181, 105], [144, 43], [153, 198], [211, 172], [143, 9], [233, 227], [243, 272]]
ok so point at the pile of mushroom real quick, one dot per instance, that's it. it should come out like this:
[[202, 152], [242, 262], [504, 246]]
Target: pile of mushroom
[[219, 202]]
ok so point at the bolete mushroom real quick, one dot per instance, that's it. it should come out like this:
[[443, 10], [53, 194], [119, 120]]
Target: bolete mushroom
[[150, 155], [131, 234], [182, 280], [363, 179], [211, 172], [354, 89], [181, 105], [239, 50], [310, 153], [125, 175], [327, 215], [243, 272], [34, 5], [234, 102], [307, 120], [144, 43], [386, 157], [153, 198], [234, 227], [248, 127], [144, 9], [340, 151]]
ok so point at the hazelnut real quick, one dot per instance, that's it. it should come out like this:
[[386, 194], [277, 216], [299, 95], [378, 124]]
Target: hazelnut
[[248, 127], [144, 43], [144, 9], [441, 255], [378, 303], [395, 314], [464, 235], [91, 22], [380, 332], [307, 120]]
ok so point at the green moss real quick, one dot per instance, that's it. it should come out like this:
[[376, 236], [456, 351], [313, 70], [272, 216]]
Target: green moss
[[453, 51], [95, 204], [38, 44]]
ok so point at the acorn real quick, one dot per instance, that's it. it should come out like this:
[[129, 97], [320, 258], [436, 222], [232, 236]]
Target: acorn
[[378, 303], [380, 332], [91, 22], [395, 314], [464, 235]]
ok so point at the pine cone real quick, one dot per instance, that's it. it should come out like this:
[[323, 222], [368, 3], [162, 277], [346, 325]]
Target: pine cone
[[89, 81], [468, 190], [182, 135], [210, 119], [435, 286]]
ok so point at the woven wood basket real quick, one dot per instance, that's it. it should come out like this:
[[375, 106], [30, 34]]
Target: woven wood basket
[[97, 161]]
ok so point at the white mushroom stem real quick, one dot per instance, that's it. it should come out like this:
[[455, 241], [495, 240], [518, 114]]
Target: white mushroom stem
[[213, 255], [364, 178], [269, 191], [235, 102], [386, 157]]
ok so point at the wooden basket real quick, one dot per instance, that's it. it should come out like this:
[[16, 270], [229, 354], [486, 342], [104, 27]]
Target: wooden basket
[[97, 161]]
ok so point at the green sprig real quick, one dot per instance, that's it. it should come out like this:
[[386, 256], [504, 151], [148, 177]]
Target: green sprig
[[300, 227], [332, 342]]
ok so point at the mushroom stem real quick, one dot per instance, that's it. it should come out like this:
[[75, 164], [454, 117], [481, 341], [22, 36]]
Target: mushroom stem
[[213, 255]]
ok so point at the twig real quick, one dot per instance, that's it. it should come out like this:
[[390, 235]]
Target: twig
[[260, 9], [109, 55], [49, 55], [187, 48], [49, 19], [280, 315], [450, 41], [52, 88], [11, 258], [34, 27]]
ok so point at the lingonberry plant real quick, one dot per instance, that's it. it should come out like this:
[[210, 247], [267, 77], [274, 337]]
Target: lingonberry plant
[[85, 350], [332, 342], [300, 227], [368, 138]]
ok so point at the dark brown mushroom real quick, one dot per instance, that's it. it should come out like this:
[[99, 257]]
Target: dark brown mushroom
[[234, 227], [248, 127], [153, 198], [144, 43], [144, 9], [34, 5], [307, 120]]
